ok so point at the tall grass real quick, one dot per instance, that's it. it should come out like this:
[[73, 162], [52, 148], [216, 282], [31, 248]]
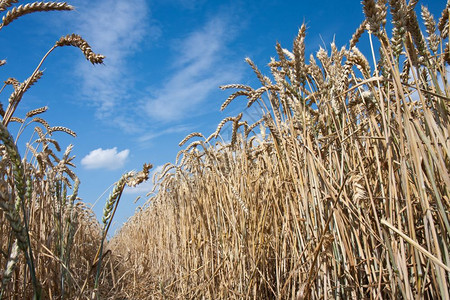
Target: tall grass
[[340, 191]]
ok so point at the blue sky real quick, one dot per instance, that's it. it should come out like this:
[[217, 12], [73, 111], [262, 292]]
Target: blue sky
[[165, 60]]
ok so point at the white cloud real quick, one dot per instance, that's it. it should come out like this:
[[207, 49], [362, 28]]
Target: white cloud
[[105, 159], [199, 68]]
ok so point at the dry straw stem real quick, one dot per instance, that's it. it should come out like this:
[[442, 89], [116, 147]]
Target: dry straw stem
[[21, 10], [417, 246]]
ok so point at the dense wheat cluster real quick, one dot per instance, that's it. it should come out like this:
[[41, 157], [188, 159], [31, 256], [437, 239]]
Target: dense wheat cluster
[[339, 191]]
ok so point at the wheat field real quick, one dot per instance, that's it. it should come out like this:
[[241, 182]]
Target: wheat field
[[339, 191]]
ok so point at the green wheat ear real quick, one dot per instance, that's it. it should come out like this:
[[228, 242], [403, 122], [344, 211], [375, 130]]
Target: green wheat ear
[[114, 196], [13, 210], [20, 227]]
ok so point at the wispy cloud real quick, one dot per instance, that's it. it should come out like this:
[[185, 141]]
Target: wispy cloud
[[187, 4], [170, 130], [115, 29], [202, 61], [105, 159], [200, 66]]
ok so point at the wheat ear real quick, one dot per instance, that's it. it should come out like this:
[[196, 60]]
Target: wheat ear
[[17, 95], [114, 196], [63, 129], [190, 136], [356, 36], [77, 41], [10, 266], [12, 211], [36, 111], [4, 4], [21, 10]]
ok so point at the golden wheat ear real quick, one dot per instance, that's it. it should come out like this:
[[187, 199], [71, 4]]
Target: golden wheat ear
[[77, 41], [190, 136], [4, 4], [22, 10]]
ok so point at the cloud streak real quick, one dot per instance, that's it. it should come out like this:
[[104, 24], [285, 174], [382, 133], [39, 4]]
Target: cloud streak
[[199, 67], [201, 62], [105, 159]]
